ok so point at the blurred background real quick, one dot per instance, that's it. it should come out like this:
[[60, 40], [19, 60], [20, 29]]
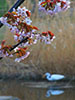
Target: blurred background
[[59, 57]]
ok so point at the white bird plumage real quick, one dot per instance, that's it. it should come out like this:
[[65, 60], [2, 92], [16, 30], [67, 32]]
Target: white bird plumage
[[54, 77]]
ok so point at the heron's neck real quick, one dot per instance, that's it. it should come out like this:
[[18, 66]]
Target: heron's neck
[[49, 77]]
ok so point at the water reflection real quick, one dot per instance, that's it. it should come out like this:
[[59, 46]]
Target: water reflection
[[8, 98], [54, 92], [34, 91]]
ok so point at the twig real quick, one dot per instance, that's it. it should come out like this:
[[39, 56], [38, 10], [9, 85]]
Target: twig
[[18, 3], [24, 40]]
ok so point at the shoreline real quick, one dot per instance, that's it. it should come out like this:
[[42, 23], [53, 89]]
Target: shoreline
[[10, 70]]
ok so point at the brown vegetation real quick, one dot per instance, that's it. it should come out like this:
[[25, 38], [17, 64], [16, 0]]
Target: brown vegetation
[[59, 57]]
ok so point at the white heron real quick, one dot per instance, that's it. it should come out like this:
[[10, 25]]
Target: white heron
[[53, 77]]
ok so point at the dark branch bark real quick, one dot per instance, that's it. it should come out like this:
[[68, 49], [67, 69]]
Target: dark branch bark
[[18, 3], [24, 40]]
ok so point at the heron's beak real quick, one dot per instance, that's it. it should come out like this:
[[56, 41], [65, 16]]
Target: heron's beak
[[43, 76]]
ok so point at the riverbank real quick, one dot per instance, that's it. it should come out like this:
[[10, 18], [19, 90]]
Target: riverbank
[[10, 70]]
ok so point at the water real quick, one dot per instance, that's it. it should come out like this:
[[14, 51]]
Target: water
[[36, 91]]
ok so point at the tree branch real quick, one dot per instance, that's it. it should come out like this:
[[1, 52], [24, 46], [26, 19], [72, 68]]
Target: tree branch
[[18, 3]]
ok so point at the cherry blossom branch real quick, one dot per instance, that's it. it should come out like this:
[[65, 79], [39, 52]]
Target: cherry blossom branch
[[18, 3], [23, 40], [24, 32]]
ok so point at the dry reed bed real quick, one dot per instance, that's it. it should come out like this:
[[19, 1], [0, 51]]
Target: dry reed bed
[[59, 57]]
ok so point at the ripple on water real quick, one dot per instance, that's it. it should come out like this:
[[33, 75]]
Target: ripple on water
[[8, 98]]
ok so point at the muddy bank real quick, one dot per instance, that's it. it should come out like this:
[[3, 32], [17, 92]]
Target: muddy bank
[[12, 70], [19, 71]]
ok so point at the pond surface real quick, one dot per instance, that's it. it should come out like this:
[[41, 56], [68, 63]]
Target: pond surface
[[36, 91]]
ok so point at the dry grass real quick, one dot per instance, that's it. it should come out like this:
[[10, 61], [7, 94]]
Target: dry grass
[[59, 57]]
